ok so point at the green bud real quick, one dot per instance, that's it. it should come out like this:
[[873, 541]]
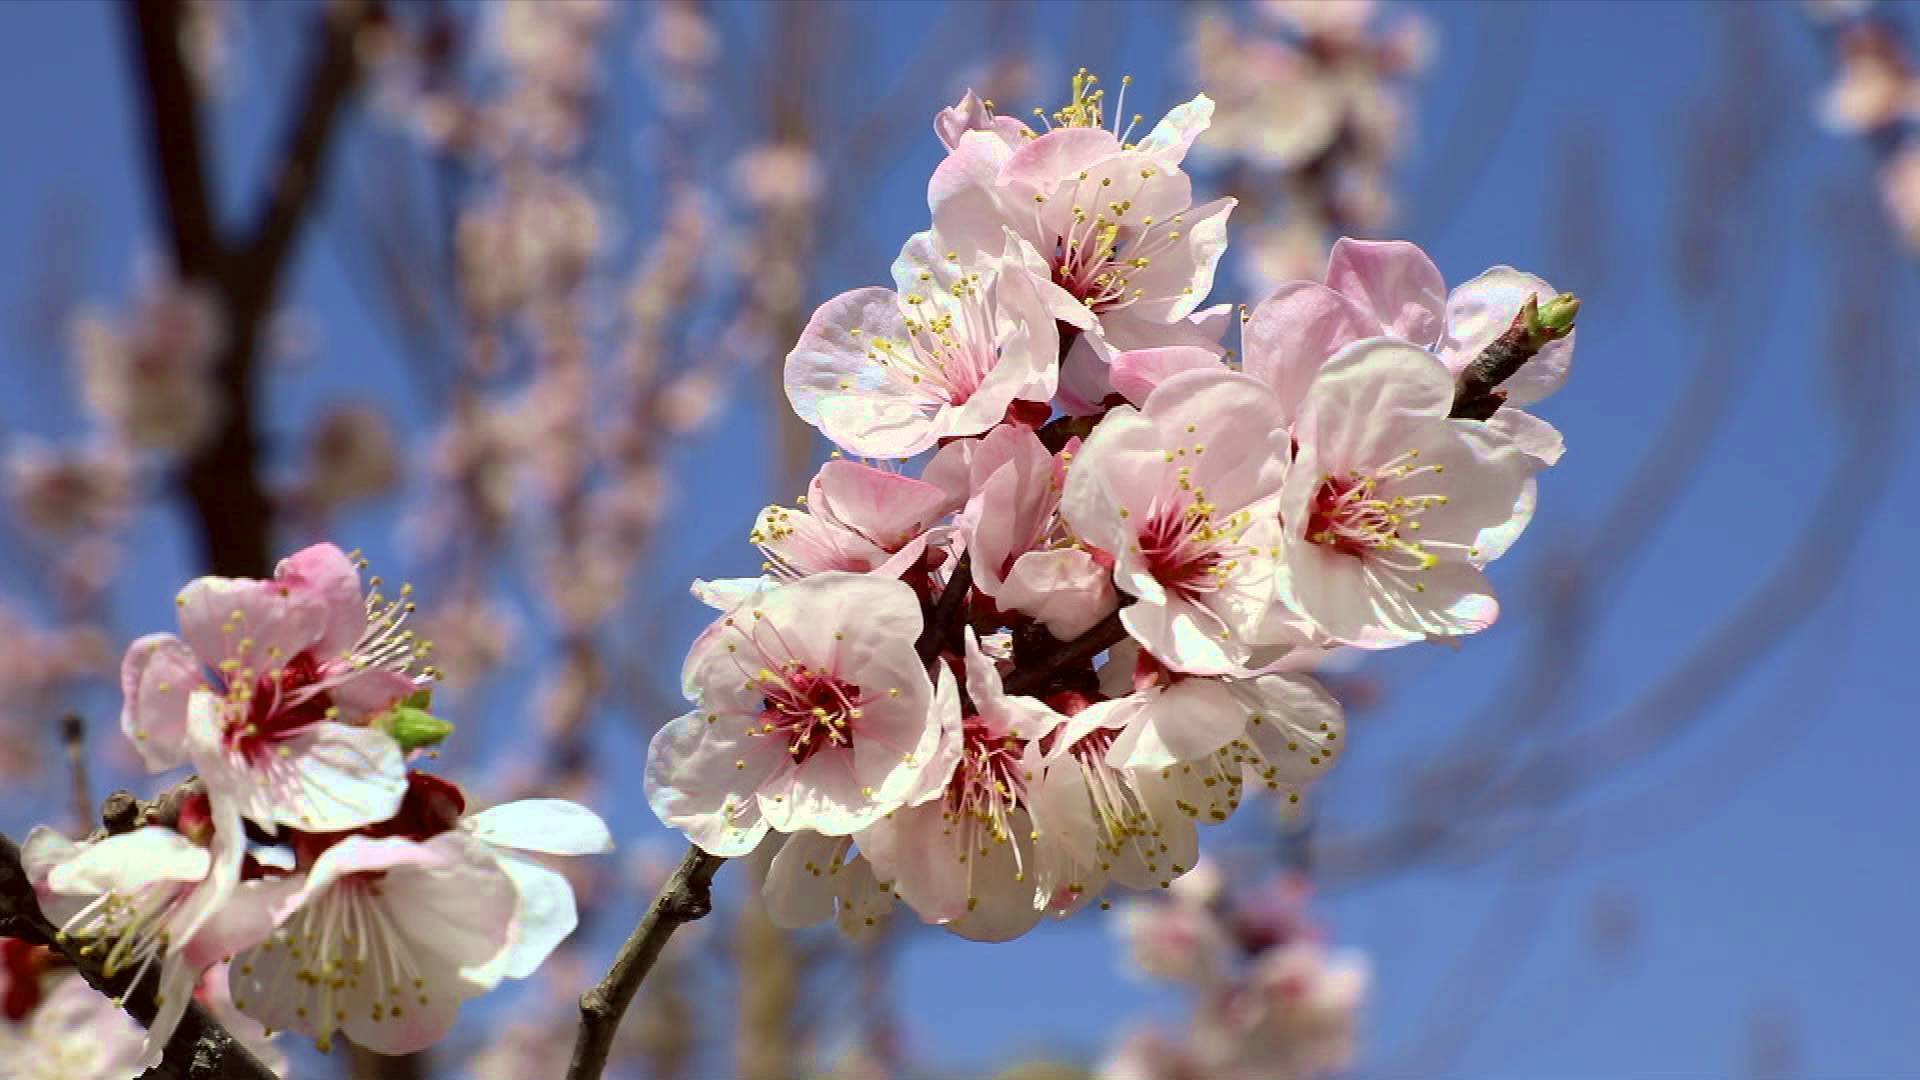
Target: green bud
[[414, 727], [419, 699], [1555, 317]]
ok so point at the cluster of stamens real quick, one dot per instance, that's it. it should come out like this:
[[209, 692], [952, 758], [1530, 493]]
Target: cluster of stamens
[[988, 790], [122, 928], [1187, 545], [349, 951], [1353, 515], [951, 342]]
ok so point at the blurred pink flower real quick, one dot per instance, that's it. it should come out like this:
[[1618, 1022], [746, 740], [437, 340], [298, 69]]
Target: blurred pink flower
[[64, 490], [149, 378]]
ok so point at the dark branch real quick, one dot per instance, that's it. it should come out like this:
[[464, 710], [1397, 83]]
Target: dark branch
[[331, 76], [1033, 678], [200, 1048], [1475, 396], [234, 512], [185, 198], [687, 896], [943, 629]]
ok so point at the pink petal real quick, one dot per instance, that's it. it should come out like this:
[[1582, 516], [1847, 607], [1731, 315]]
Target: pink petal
[[1137, 371], [325, 573], [156, 677], [260, 624], [1396, 281], [1294, 332], [886, 507], [1057, 155], [965, 197], [1173, 136], [1178, 278]]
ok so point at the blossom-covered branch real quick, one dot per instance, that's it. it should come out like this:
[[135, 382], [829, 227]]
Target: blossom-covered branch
[[307, 877], [1028, 675], [200, 1049]]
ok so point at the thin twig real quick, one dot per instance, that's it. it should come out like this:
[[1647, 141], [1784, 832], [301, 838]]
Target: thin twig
[[73, 735], [687, 895]]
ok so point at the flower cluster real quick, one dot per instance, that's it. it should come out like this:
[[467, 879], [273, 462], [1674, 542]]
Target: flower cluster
[[1273, 1002], [1081, 632], [307, 866]]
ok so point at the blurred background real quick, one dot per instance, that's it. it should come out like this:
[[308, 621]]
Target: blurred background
[[498, 293]]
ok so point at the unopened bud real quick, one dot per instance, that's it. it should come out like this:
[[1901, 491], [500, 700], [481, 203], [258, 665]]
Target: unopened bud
[[1555, 317], [414, 728]]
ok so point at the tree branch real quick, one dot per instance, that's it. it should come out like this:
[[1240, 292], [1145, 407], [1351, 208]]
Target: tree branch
[[1534, 327], [1032, 678], [331, 76], [200, 1048], [234, 513], [944, 621], [185, 197], [686, 896]]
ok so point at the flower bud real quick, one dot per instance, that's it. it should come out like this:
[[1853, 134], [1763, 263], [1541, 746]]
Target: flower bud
[[414, 727], [1555, 317]]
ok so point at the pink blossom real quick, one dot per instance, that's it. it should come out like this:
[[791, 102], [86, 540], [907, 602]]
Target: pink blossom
[[814, 878], [151, 380], [1900, 188], [1388, 500], [215, 994], [970, 113], [813, 712], [524, 838], [1126, 255], [856, 518], [1022, 555], [383, 939], [66, 490], [1875, 87], [1298, 1015], [272, 690], [351, 455], [1178, 942], [974, 858], [1175, 493], [887, 373], [1391, 288], [155, 895]]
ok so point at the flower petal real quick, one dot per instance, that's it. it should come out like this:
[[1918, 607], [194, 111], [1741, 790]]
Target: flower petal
[[543, 826], [1294, 332], [1397, 282], [156, 677]]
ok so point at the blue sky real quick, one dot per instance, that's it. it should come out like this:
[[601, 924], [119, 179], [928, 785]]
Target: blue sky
[[1763, 855]]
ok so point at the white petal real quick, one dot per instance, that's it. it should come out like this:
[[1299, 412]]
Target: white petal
[[547, 826]]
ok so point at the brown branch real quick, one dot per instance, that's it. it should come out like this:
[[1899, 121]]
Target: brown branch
[[1033, 678], [200, 1048], [332, 74], [1475, 396], [686, 896], [230, 503], [943, 628], [185, 195]]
